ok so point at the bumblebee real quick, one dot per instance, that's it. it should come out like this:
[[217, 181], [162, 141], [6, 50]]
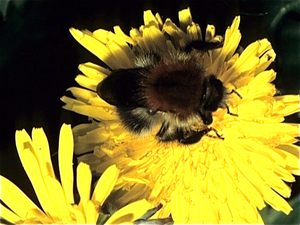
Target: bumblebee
[[174, 92]]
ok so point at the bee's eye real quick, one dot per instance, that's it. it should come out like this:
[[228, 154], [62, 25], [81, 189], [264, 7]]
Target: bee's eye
[[151, 112]]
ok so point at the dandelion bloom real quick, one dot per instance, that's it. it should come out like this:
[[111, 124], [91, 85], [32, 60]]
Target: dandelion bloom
[[57, 199], [214, 180]]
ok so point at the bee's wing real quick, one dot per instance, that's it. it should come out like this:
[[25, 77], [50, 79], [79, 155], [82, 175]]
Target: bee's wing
[[122, 88]]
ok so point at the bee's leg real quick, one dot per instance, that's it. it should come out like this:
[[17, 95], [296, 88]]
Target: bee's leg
[[202, 45], [235, 92], [216, 132], [230, 113], [229, 93], [164, 133], [162, 130], [191, 137]]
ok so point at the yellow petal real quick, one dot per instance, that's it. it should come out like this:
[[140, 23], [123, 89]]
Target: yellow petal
[[286, 173], [96, 136], [65, 160], [291, 153], [42, 151], [137, 37], [275, 182], [185, 18], [248, 172], [260, 85], [9, 215], [119, 38], [194, 31], [264, 151], [121, 53], [105, 184], [274, 200], [176, 34], [18, 202], [265, 130], [291, 104], [88, 110], [264, 47], [155, 39], [58, 198], [84, 179], [87, 82], [251, 193], [32, 168], [91, 213], [158, 19], [231, 42], [85, 95], [248, 59], [245, 113], [86, 39], [210, 32], [94, 71], [89, 97], [179, 215], [149, 19], [77, 214], [120, 33], [265, 60], [249, 213], [130, 213], [103, 35]]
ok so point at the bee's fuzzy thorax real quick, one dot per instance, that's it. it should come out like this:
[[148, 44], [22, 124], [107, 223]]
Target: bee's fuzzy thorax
[[174, 87]]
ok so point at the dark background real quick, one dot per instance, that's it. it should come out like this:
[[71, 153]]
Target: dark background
[[39, 57]]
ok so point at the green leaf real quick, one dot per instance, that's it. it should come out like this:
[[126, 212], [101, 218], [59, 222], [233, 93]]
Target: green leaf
[[146, 221], [3, 7], [102, 219], [151, 212]]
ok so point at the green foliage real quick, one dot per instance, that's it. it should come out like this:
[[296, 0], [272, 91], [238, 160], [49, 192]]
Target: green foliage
[[3, 7], [5, 4]]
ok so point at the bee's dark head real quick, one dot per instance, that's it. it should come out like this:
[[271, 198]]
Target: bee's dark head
[[211, 99], [213, 94]]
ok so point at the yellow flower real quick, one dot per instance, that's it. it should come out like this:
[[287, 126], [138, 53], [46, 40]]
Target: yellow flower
[[56, 198], [213, 180]]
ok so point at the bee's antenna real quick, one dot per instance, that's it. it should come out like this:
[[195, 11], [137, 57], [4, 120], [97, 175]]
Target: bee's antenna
[[235, 92]]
